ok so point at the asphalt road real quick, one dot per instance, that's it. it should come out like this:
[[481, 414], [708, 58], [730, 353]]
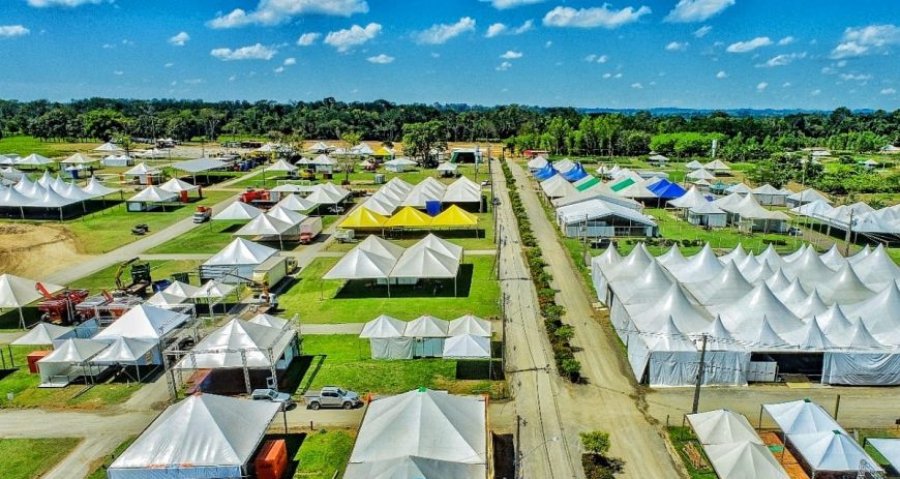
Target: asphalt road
[[609, 401]]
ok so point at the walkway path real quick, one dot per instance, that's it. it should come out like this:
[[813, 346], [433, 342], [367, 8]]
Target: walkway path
[[610, 387]]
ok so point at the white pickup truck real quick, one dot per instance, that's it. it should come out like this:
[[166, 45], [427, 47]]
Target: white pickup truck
[[331, 397]]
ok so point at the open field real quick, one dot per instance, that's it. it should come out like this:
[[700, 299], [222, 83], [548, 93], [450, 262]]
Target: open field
[[31, 458], [26, 145], [26, 394], [324, 452], [320, 301], [345, 362]]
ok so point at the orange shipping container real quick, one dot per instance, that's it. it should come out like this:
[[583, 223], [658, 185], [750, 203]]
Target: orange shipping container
[[33, 357], [271, 462]]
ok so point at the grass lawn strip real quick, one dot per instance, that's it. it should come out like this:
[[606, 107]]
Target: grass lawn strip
[[99, 470], [159, 269], [32, 458], [322, 453]]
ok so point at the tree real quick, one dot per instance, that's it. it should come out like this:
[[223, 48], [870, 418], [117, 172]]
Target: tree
[[123, 141], [346, 161], [104, 123], [420, 138], [595, 442]]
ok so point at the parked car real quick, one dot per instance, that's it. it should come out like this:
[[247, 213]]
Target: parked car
[[287, 402], [331, 397]]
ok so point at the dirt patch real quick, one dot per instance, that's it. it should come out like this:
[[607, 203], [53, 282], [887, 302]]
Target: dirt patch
[[36, 250]]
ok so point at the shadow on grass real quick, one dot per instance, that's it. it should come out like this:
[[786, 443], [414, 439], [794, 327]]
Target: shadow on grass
[[477, 369], [428, 288], [466, 233], [292, 442]]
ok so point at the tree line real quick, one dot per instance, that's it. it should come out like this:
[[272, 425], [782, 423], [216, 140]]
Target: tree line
[[559, 130]]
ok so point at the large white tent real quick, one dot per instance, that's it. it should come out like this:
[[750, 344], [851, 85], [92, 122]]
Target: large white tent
[[69, 361], [144, 322], [467, 346], [241, 344], [746, 460], [17, 292], [422, 431], [238, 211], [386, 339], [45, 334], [832, 452], [236, 261], [205, 436], [722, 427], [429, 333]]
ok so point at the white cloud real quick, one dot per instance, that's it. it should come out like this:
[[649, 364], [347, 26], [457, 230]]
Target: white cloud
[[273, 12], [841, 64], [356, 35], [617, 75], [786, 84], [62, 3], [505, 4], [593, 17], [888, 91], [440, 33], [11, 31], [381, 59], [687, 11], [782, 60], [289, 61], [596, 58], [251, 52], [862, 40], [815, 92], [855, 77], [511, 55], [786, 40], [548, 44], [108, 46], [435, 55], [702, 31], [194, 81], [761, 86], [525, 27], [495, 30], [503, 66], [607, 75], [677, 46], [308, 39], [749, 45], [180, 40], [169, 65], [637, 86], [118, 73], [279, 70], [721, 75]]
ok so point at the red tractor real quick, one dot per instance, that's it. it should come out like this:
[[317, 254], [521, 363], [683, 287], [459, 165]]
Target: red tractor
[[59, 308], [253, 195]]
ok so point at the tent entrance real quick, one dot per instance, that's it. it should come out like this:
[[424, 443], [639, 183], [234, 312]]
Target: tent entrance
[[807, 364]]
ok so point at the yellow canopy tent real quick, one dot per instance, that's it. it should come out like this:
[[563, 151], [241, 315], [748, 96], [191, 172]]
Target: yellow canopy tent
[[409, 217], [363, 217], [454, 216]]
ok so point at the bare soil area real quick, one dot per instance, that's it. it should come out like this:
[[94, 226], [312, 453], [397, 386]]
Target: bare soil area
[[36, 250]]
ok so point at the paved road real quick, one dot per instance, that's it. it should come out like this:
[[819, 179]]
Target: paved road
[[609, 387], [547, 448]]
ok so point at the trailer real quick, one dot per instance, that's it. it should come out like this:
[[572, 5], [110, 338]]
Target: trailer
[[310, 228], [272, 271]]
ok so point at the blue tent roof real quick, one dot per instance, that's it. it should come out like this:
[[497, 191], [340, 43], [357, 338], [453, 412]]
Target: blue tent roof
[[667, 190], [575, 173], [545, 173]]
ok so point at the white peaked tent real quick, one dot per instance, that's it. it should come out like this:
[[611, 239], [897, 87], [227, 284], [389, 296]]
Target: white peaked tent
[[693, 165], [182, 290], [129, 352], [240, 258], [108, 147], [44, 334], [144, 322], [833, 258], [244, 345], [153, 194], [238, 211], [537, 163], [286, 215], [213, 289], [202, 437], [326, 196], [717, 166], [34, 159], [17, 292], [380, 206], [78, 159], [700, 174], [361, 264], [467, 346], [727, 286], [269, 320], [165, 300], [672, 258], [178, 186], [832, 451], [722, 427], [692, 199], [386, 339], [801, 417], [769, 195], [295, 203], [429, 334], [443, 434], [746, 460], [469, 324], [265, 225], [280, 166], [96, 189], [808, 195], [888, 448], [70, 360], [667, 356], [648, 287]]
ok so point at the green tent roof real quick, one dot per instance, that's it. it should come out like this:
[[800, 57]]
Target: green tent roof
[[588, 183], [622, 184]]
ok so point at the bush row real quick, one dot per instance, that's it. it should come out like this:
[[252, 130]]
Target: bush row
[[559, 334]]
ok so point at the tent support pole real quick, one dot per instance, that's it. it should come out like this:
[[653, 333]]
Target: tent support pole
[[246, 370], [21, 318]]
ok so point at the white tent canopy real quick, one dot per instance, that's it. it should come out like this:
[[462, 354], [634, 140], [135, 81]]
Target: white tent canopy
[[239, 344], [238, 211], [177, 186], [203, 436], [801, 417], [96, 189], [153, 194], [746, 460], [241, 252], [144, 322], [722, 427], [386, 339], [833, 451], [467, 346], [44, 334], [469, 324]]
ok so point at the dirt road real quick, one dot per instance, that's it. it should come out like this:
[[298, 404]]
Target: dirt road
[[547, 447], [609, 401]]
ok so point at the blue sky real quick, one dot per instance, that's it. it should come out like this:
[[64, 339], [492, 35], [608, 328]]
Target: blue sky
[[654, 53]]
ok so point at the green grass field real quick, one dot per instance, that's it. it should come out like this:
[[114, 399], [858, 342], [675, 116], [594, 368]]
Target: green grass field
[[26, 394], [159, 269], [320, 301], [206, 238], [346, 363], [26, 145], [99, 471], [322, 453], [32, 458]]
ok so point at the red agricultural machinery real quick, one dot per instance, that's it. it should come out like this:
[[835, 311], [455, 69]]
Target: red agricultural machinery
[[59, 308]]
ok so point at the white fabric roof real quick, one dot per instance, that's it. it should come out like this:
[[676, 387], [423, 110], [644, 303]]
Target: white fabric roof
[[264, 225], [383, 326], [74, 351], [596, 209], [469, 324], [808, 196], [203, 430], [692, 199], [295, 203], [241, 252], [700, 174], [42, 334], [361, 264], [422, 424], [222, 348], [238, 211], [280, 166], [34, 159], [722, 427], [801, 417], [269, 320], [747, 460], [557, 187], [716, 165], [767, 189], [184, 290], [16, 291], [888, 448], [141, 169], [286, 215], [467, 346], [694, 165], [213, 289], [97, 189], [143, 322], [177, 186], [427, 327], [832, 451], [425, 262], [108, 146], [199, 165], [124, 350], [78, 159], [153, 194]]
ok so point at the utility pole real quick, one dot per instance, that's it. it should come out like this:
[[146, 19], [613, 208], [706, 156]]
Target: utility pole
[[699, 376], [849, 234]]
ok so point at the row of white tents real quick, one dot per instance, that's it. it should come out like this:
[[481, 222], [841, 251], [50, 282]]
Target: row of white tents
[[467, 337], [397, 193], [324, 194], [845, 310], [733, 447], [858, 217], [378, 259], [50, 193]]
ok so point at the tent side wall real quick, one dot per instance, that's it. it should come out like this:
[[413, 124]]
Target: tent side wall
[[861, 369], [392, 348]]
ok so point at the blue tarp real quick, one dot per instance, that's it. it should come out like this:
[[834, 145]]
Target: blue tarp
[[575, 173], [545, 173], [667, 190]]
